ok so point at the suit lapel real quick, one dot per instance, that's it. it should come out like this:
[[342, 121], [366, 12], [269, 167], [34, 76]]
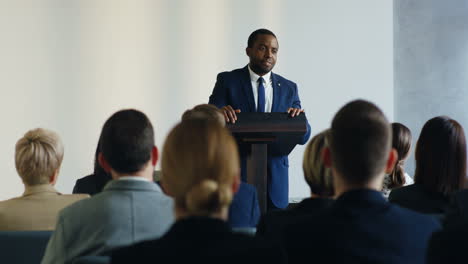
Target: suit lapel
[[247, 88], [276, 86]]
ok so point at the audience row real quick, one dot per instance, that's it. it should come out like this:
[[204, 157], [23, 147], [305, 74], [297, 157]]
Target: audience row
[[363, 207]]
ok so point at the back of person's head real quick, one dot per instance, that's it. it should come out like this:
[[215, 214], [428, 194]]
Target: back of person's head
[[317, 176], [441, 156], [127, 141], [360, 142], [199, 171], [38, 156], [205, 111], [401, 142]]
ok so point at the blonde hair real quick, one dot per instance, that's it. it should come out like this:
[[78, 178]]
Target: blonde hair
[[38, 154], [205, 111], [199, 164], [317, 176]]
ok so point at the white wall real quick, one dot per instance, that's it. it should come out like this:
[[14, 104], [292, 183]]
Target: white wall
[[431, 62], [68, 65]]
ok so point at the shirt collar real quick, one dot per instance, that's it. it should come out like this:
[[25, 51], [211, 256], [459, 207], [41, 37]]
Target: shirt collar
[[133, 178], [40, 188], [254, 77]]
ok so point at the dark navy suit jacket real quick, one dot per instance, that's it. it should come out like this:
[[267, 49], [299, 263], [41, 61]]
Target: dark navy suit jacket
[[272, 224], [235, 89], [201, 240], [362, 227], [244, 210]]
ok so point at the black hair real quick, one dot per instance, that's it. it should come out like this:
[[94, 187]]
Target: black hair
[[254, 35]]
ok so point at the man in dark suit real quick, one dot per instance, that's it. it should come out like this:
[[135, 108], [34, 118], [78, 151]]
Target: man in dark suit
[[361, 226], [255, 88]]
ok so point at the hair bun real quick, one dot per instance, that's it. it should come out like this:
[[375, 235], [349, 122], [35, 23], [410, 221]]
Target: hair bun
[[207, 196]]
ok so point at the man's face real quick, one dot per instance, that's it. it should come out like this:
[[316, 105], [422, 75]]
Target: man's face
[[263, 54]]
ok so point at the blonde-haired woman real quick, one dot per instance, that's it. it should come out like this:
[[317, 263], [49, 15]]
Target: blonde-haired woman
[[200, 165], [320, 182], [38, 156]]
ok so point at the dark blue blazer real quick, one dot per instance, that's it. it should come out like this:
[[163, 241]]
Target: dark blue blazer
[[361, 227], [244, 210], [272, 224], [235, 89], [201, 240]]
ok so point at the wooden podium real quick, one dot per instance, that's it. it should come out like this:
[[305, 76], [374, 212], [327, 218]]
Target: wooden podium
[[260, 135]]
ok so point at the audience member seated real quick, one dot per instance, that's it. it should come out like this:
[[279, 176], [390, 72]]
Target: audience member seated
[[401, 142], [361, 226], [131, 207], [93, 183], [244, 210], [201, 172], [38, 156], [440, 168], [320, 182]]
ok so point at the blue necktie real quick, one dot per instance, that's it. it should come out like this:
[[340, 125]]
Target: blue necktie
[[261, 96]]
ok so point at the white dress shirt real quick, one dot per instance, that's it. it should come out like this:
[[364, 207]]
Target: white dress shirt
[[267, 83]]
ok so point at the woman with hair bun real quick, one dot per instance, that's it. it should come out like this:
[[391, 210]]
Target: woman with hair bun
[[200, 165], [401, 142]]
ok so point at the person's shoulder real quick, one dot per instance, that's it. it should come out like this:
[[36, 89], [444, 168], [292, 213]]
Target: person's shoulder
[[283, 80], [234, 74], [86, 179], [77, 207], [403, 191], [412, 218], [73, 197]]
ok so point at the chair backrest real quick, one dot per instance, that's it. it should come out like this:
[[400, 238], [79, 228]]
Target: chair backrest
[[23, 247], [92, 260]]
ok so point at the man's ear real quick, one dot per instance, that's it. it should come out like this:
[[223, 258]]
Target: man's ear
[[154, 155], [236, 184], [247, 51], [103, 163], [326, 157], [392, 159]]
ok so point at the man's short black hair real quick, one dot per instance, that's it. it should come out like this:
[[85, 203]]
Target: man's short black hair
[[254, 35], [360, 141], [127, 140]]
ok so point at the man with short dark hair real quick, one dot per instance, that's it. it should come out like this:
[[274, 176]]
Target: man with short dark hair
[[361, 226], [255, 88], [131, 207]]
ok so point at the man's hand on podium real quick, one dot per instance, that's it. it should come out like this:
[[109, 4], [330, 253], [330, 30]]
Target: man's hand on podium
[[294, 111], [230, 113]]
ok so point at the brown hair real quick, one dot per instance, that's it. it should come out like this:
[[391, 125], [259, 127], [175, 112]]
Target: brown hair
[[199, 164], [441, 156], [205, 111], [127, 140], [360, 141], [401, 142], [38, 154], [317, 176]]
